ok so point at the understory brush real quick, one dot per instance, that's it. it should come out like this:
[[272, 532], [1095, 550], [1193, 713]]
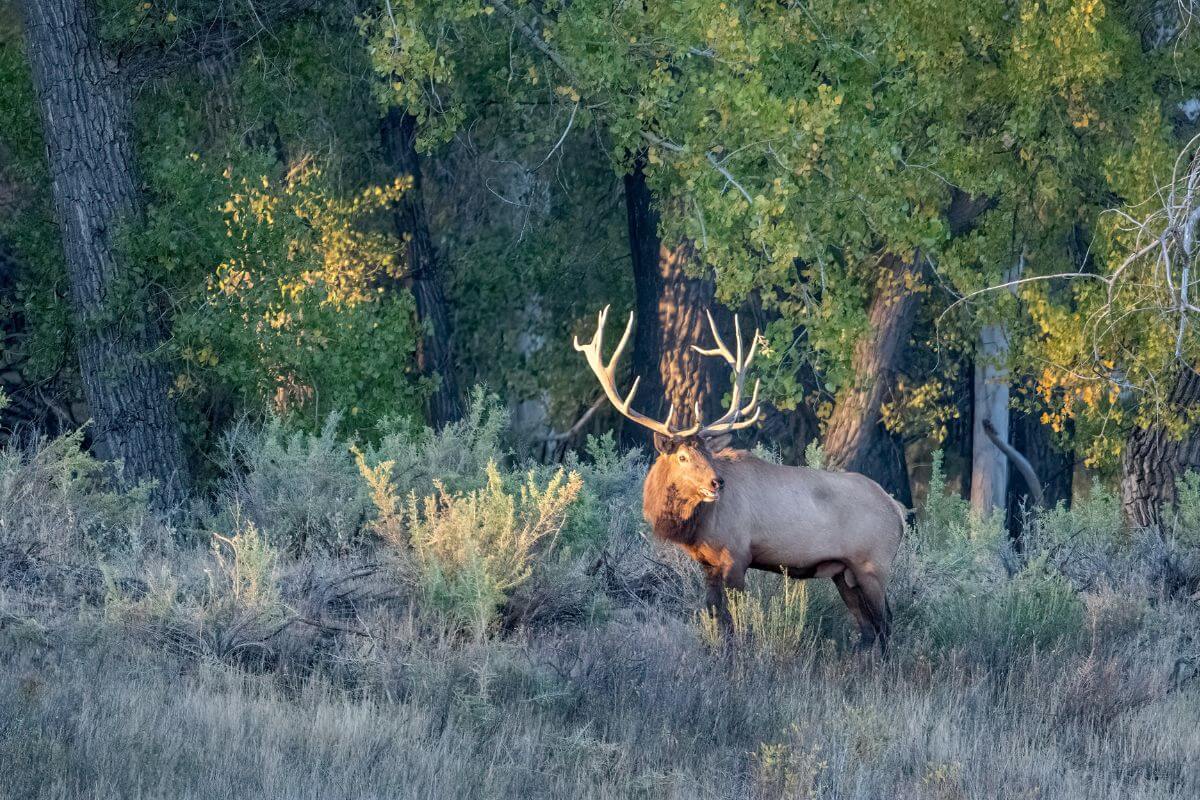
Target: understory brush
[[425, 615]]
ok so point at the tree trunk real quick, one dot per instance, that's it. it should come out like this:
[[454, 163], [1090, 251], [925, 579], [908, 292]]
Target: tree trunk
[[852, 433], [1154, 460], [887, 464], [989, 466], [670, 307], [85, 106], [435, 350]]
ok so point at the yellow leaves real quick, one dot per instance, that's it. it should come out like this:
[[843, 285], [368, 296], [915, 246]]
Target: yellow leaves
[[567, 91], [206, 357], [278, 319], [919, 407], [298, 241]]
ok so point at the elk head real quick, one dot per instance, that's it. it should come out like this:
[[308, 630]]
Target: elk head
[[686, 451], [689, 468]]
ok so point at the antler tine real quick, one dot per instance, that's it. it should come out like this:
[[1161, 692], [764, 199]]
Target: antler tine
[[738, 416], [607, 375], [737, 333], [720, 350], [612, 362]]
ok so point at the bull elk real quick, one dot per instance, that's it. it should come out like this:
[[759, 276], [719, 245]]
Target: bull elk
[[731, 511]]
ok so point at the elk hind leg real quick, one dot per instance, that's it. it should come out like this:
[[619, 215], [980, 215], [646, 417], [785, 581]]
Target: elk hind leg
[[853, 597], [871, 587]]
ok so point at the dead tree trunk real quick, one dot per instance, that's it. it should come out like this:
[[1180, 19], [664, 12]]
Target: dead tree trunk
[[85, 104], [435, 350], [670, 306], [989, 464], [1154, 460], [853, 430]]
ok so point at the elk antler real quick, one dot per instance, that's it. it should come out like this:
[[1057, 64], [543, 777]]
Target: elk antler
[[606, 374], [738, 416]]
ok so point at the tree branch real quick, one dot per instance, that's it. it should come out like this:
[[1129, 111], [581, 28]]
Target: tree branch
[[1020, 462], [208, 38]]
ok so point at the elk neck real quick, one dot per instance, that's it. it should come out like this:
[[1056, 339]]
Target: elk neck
[[675, 518]]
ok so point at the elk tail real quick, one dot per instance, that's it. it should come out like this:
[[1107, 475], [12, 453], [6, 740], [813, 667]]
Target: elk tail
[[903, 513]]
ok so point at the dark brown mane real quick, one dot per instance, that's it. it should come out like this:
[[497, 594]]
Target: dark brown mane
[[673, 517]]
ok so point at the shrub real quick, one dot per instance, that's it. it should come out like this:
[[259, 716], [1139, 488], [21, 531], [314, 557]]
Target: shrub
[[814, 455], [948, 550], [456, 457], [245, 573], [470, 550], [610, 499], [769, 619], [225, 603], [56, 501], [300, 490], [1037, 608]]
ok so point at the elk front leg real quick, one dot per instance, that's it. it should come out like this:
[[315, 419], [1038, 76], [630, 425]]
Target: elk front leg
[[715, 600]]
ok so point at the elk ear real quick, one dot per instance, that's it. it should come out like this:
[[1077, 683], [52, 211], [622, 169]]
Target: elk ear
[[665, 444], [718, 443]]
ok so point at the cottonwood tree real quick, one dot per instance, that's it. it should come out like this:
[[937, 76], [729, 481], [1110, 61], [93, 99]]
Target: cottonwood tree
[[803, 153], [86, 102], [673, 289], [423, 273]]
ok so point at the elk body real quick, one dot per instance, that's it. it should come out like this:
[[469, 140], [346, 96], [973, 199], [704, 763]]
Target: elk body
[[731, 511]]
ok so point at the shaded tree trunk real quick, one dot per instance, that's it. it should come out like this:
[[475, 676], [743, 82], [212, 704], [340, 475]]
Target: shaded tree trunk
[[854, 429], [670, 307], [86, 105], [887, 464], [435, 350], [1054, 467], [1154, 460]]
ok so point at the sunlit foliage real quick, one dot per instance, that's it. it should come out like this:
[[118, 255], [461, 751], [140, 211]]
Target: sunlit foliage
[[298, 312], [796, 143]]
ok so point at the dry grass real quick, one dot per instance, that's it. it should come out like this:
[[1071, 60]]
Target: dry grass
[[624, 709], [259, 669]]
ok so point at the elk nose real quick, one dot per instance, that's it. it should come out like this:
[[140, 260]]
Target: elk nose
[[718, 484]]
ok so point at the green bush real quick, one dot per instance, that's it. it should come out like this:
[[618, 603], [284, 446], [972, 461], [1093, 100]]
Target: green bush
[[993, 622], [948, 548], [299, 489], [611, 495], [57, 501], [770, 619], [456, 457], [469, 551]]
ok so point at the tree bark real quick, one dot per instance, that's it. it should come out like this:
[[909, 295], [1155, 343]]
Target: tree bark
[[989, 465], [85, 105], [852, 434], [1154, 460], [886, 464], [435, 350], [670, 308]]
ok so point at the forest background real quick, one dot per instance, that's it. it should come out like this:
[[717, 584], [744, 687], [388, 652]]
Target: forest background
[[296, 208]]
